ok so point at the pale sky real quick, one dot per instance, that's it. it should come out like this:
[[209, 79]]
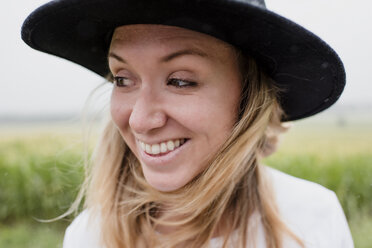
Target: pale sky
[[36, 83]]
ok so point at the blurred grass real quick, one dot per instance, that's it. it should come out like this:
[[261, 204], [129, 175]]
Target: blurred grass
[[41, 170], [38, 177], [31, 235]]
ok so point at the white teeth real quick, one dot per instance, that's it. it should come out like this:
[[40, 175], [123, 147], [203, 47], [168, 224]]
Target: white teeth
[[162, 147], [142, 145], [155, 149], [170, 145], [148, 148]]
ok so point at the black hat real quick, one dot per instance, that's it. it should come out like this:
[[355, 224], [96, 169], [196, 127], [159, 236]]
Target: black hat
[[306, 68]]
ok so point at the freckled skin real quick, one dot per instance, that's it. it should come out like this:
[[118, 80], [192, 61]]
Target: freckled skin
[[151, 110]]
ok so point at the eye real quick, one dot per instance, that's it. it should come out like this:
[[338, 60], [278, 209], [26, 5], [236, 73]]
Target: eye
[[180, 83], [122, 81]]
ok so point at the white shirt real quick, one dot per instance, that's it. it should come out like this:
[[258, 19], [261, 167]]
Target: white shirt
[[311, 211]]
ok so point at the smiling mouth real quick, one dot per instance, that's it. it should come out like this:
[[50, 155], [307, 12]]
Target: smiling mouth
[[162, 148]]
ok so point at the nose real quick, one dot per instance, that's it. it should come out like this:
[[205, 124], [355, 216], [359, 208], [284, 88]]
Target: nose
[[147, 114]]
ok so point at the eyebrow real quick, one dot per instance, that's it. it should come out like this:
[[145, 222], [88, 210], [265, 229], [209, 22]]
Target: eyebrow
[[117, 57], [184, 52], [168, 57]]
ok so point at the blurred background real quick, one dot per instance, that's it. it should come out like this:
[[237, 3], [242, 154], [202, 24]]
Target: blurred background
[[42, 98]]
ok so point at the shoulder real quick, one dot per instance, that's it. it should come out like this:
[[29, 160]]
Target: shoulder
[[311, 211], [84, 231]]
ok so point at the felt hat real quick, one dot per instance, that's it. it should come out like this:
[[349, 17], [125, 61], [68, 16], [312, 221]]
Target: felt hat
[[308, 71]]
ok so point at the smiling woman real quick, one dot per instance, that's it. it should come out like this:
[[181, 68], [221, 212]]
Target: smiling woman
[[197, 102], [166, 94]]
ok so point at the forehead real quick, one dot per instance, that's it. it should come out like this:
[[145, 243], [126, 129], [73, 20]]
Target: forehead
[[168, 37]]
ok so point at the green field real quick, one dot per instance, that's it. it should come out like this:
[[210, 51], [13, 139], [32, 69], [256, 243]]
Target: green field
[[41, 169]]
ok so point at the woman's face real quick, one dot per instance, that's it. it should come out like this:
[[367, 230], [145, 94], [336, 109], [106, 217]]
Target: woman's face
[[175, 99]]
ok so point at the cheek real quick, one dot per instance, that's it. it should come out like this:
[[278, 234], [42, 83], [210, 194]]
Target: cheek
[[219, 110], [218, 116], [207, 116]]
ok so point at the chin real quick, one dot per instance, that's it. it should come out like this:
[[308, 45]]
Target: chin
[[164, 184]]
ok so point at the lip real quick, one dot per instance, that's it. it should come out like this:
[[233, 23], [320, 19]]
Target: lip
[[161, 160]]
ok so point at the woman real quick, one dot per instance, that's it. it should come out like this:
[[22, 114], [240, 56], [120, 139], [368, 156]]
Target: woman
[[200, 91]]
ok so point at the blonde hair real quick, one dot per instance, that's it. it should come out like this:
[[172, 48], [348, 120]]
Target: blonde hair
[[230, 191]]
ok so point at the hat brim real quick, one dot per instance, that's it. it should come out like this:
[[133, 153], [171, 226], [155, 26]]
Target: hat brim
[[308, 71]]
